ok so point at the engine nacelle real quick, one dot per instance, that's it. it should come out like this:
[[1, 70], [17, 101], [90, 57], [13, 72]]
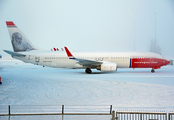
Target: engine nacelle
[[108, 66]]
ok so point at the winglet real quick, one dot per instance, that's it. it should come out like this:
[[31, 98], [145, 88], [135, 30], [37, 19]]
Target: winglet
[[68, 53]]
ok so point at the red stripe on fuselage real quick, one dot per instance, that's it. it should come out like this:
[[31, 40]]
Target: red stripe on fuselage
[[148, 62]]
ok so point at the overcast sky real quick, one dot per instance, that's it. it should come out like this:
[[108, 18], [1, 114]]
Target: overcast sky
[[90, 25]]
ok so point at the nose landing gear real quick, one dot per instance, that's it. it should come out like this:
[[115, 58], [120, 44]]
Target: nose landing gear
[[152, 71]]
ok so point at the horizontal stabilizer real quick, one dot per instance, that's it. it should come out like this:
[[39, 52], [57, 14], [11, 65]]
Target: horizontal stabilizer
[[14, 53]]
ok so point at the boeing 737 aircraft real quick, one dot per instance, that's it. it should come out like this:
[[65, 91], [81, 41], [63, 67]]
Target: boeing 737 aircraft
[[25, 51]]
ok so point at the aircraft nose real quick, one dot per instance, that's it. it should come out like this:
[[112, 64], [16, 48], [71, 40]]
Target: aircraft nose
[[166, 62]]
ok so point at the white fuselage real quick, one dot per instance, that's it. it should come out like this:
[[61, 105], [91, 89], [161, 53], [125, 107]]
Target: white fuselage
[[61, 60]]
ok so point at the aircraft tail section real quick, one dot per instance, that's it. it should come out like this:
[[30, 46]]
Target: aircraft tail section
[[19, 42]]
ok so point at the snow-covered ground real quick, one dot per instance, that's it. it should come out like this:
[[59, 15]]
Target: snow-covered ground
[[126, 89]]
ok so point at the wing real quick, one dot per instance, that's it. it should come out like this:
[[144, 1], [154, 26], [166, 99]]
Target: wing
[[84, 62]]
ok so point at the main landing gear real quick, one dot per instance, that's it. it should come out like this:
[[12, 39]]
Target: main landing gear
[[152, 71], [88, 70]]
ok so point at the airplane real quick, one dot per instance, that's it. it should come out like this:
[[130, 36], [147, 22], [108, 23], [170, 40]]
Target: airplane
[[25, 51], [0, 56]]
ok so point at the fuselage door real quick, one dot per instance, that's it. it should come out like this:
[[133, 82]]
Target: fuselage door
[[37, 59]]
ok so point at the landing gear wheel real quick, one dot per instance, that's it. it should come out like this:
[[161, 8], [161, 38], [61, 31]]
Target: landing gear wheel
[[152, 70], [88, 70]]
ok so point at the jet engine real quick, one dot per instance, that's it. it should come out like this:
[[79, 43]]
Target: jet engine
[[108, 66]]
